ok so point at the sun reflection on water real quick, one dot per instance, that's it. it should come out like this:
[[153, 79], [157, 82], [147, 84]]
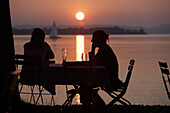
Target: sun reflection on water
[[79, 50], [79, 46]]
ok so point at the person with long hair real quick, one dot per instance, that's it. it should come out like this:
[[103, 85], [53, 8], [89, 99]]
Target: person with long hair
[[37, 47], [105, 57]]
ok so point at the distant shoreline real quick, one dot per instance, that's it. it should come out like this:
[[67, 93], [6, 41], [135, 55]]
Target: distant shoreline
[[83, 31]]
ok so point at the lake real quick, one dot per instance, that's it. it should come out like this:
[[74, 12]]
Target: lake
[[146, 85]]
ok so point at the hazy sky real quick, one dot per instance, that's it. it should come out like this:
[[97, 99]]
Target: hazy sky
[[114, 12]]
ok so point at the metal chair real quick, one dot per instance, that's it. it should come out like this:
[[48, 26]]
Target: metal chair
[[119, 93], [165, 76], [32, 77]]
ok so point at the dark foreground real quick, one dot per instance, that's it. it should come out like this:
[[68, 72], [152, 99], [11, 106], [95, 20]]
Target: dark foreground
[[29, 108]]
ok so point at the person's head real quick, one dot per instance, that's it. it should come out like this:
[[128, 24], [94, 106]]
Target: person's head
[[99, 37], [37, 38]]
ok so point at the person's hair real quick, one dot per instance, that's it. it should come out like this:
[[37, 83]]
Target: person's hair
[[101, 35], [37, 38]]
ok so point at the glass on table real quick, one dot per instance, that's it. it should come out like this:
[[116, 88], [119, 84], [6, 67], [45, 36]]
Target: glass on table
[[64, 54], [84, 56]]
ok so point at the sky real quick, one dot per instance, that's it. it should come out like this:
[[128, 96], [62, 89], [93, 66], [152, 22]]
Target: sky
[[147, 13]]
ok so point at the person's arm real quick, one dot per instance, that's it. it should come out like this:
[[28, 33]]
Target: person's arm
[[50, 54], [25, 48], [92, 54]]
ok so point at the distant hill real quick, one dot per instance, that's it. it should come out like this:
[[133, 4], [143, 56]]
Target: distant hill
[[160, 29], [88, 29], [77, 30]]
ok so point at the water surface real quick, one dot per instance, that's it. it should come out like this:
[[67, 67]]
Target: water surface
[[146, 85]]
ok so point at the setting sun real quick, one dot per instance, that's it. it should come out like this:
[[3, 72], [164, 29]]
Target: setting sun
[[79, 15]]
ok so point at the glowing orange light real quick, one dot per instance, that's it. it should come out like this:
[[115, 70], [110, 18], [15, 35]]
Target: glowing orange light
[[79, 47], [80, 16], [78, 99]]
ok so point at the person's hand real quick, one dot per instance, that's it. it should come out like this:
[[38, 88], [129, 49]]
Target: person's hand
[[93, 48]]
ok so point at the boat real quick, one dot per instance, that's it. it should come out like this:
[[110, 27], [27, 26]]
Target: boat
[[54, 33]]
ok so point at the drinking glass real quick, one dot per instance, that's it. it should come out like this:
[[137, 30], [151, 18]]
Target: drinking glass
[[84, 56], [64, 54]]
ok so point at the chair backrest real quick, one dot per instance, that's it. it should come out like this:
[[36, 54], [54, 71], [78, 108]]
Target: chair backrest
[[126, 83], [31, 60], [32, 71], [165, 76], [164, 68]]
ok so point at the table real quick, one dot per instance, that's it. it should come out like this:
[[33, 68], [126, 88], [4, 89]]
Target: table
[[93, 76]]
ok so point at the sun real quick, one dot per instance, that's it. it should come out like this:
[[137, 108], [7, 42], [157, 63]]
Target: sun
[[79, 15]]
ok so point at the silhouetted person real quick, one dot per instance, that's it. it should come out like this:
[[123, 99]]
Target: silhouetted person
[[105, 57], [38, 47]]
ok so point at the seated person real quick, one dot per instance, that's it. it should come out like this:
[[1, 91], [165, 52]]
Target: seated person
[[105, 57], [37, 47]]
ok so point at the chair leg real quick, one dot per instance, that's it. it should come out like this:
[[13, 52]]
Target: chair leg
[[32, 97], [69, 99], [21, 88], [120, 97], [40, 88], [124, 102], [42, 96], [117, 98], [32, 94], [52, 100], [128, 103], [98, 101]]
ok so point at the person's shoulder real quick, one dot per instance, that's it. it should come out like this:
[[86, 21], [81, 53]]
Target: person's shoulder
[[109, 49], [106, 47], [27, 44], [46, 44]]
